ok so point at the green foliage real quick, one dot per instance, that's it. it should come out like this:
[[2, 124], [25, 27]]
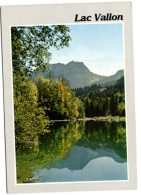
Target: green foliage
[[99, 101], [58, 99], [30, 119], [99, 105], [120, 84], [121, 108], [31, 44]]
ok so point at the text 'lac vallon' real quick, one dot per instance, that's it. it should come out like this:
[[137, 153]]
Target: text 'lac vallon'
[[98, 17]]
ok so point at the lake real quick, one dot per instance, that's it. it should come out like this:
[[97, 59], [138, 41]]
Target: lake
[[74, 151]]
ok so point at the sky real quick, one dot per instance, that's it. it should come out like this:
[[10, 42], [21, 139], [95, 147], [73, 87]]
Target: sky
[[99, 46]]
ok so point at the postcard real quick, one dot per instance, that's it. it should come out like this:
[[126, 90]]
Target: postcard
[[69, 97]]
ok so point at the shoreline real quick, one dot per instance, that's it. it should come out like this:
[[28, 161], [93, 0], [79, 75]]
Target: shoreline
[[100, 118]]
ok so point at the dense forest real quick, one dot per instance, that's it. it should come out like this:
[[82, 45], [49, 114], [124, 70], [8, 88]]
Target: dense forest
[[107, 101], [39, 101]]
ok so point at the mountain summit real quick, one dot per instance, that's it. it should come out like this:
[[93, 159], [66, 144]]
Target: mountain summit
[[77, 74]]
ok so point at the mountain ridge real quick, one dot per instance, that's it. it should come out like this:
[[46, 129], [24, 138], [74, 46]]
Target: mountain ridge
[[111, 79], [77, 74]]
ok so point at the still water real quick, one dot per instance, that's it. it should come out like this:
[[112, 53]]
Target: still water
[[74, 151]]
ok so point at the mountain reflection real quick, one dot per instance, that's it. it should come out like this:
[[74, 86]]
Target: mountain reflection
[[70, 145]]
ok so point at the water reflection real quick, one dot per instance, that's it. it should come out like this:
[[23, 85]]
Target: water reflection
[[100, 169], [72, 149]]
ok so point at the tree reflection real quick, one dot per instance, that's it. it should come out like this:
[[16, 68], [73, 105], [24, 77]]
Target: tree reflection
[[45, 150], [105, 134]]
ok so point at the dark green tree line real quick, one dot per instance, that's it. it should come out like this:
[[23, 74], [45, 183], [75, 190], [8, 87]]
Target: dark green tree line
[[103, 101], [105, 106]]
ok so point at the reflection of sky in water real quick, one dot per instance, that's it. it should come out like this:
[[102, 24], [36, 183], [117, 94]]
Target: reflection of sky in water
[[85, 164], [103, 168], [88, 151]]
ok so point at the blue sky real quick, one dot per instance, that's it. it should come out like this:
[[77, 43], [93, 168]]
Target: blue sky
[[99, 46]]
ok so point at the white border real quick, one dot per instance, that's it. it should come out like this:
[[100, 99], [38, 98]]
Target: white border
[[28, 15]]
